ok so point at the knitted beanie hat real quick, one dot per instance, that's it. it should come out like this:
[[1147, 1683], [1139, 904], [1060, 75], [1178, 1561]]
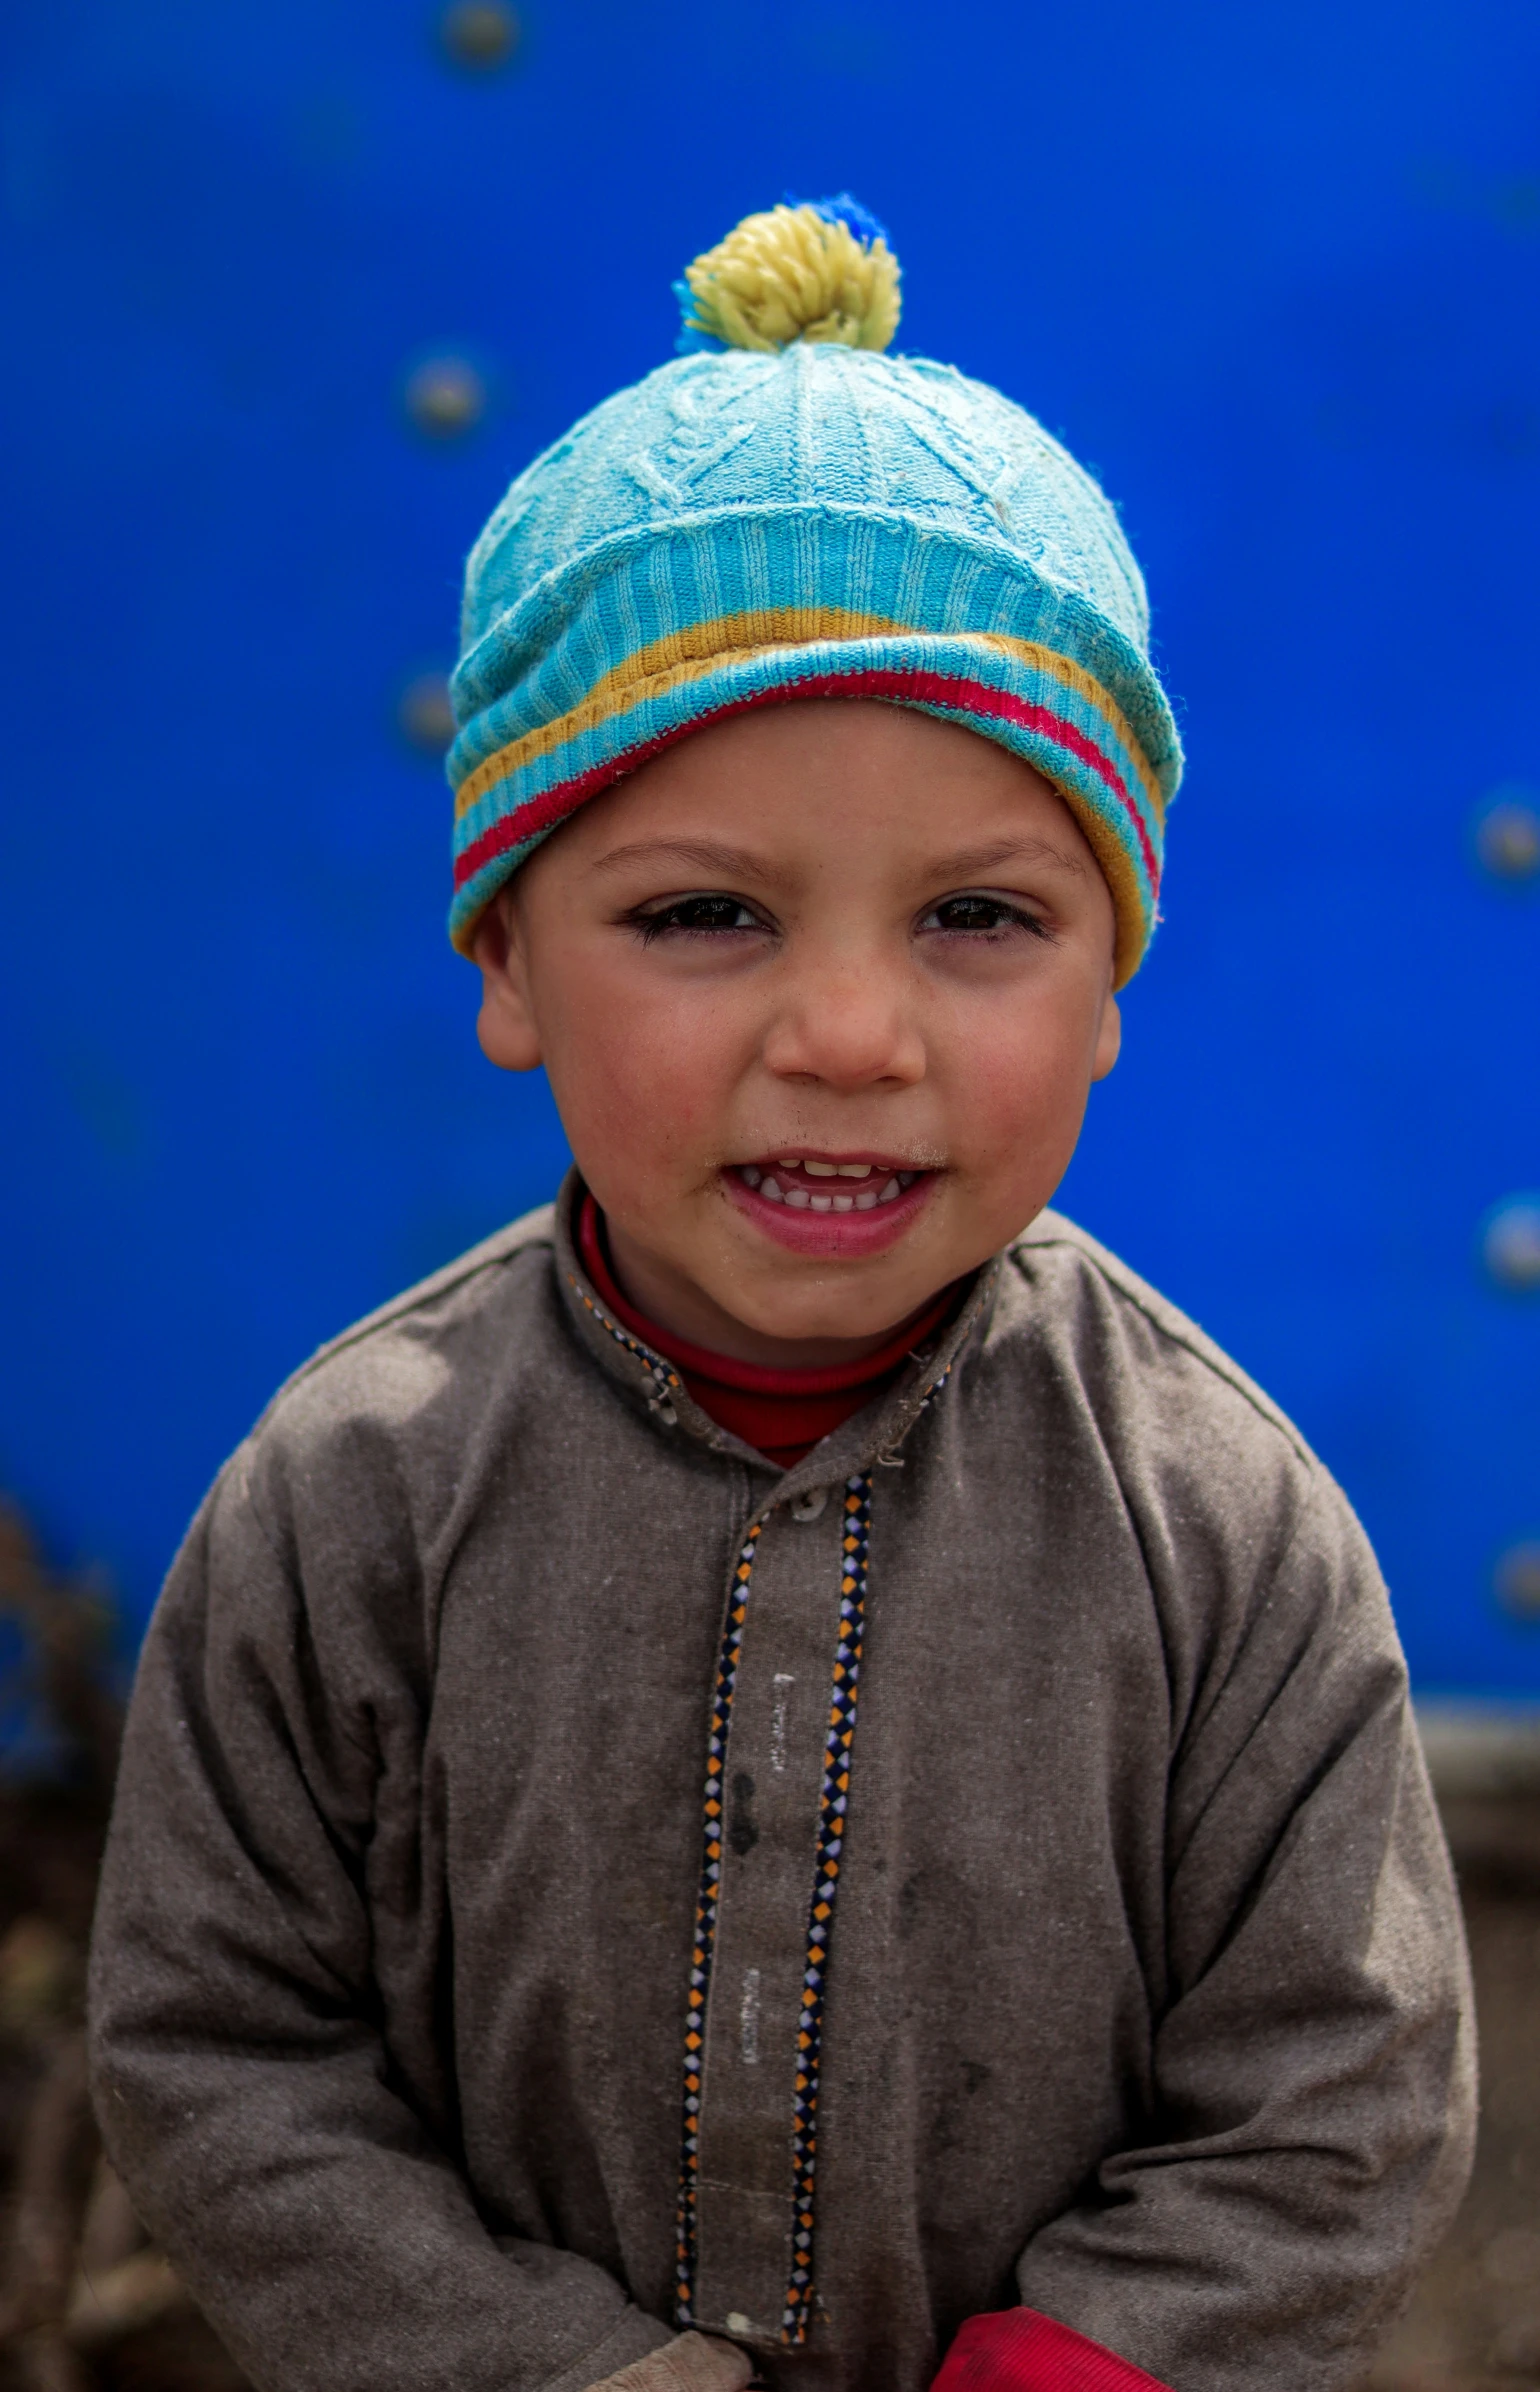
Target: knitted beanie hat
[[789, 513]]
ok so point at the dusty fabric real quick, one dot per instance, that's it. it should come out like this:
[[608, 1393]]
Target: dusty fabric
[[1144, 1994]]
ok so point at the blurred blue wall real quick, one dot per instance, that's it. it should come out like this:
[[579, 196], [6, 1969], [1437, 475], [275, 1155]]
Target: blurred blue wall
[[1271, 270]]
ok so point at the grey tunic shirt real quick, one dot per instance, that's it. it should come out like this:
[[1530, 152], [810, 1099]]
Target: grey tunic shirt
[[1138, 1992]]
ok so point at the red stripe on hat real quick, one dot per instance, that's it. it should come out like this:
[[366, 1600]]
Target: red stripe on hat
[[1020, 2350], [553, 805]]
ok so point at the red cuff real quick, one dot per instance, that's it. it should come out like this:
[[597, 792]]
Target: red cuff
[[1020, 2350]]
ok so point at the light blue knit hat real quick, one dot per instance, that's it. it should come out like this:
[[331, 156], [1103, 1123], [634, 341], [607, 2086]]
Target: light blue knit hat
[[799, 517]]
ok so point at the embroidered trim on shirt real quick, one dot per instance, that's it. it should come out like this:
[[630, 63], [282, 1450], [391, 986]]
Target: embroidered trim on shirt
[[705, 1931], [831, 1836], [834, 1799], [665, 1383]]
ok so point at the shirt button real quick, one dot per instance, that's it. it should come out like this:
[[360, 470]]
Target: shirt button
[[810, 1505]]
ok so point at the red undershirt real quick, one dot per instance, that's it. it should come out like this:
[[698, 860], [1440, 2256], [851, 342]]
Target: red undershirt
[[781, 1413]]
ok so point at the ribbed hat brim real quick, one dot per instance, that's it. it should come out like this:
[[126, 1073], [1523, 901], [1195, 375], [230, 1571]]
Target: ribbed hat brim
[[633, 647]]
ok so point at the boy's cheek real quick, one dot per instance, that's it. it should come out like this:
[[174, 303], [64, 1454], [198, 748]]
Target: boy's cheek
[[1015, 1133], [1023, 1096], [644, 1102]]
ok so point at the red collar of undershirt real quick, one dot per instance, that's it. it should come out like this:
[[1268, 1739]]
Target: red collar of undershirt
[[782, 1413]]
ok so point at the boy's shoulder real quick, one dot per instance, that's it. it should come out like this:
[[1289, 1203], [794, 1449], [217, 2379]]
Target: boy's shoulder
[[1147, 1370], [1084, 1387], [1073, 1273], [1061, 1292], [1071, 1329], [1134, 1409], [395, 1357]]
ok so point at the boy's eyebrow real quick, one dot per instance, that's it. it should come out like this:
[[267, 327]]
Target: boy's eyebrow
[[706, 855], [972, 863]]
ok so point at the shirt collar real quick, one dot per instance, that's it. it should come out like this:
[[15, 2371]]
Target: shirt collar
[[871, 1437]]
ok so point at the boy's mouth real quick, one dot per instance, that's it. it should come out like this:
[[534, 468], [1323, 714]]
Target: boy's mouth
[[826, 1204], [810, 1185]]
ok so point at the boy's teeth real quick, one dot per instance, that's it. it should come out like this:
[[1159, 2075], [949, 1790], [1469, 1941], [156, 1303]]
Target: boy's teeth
[[803, 1199], [791, 1162]]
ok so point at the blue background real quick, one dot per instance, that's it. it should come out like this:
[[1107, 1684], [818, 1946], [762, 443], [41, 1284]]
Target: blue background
[[1271, 270]]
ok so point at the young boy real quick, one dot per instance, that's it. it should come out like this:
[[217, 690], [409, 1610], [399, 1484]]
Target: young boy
[[783, 1769]]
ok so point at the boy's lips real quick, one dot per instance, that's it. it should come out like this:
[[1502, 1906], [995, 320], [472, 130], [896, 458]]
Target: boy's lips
[[845, 1205]]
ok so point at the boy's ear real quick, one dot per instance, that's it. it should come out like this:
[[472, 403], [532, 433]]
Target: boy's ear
[[506, 1023], [1109, 1037]]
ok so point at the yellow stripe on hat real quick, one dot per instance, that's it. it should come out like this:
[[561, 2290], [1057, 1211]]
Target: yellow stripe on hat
[[697, 649]]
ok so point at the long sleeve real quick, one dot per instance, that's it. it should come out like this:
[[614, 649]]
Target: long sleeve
[[1312, 2104], [242, 2075]]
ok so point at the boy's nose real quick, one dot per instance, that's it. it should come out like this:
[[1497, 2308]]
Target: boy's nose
[[848, 1025]]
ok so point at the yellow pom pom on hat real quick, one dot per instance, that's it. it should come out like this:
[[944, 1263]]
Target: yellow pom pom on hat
[[786, 511], [795, 273]]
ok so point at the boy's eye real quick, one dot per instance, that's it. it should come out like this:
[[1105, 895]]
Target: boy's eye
[[982, 915], [697, 914]]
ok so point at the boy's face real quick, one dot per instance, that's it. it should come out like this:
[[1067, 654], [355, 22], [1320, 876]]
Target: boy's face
[[821, 992]]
